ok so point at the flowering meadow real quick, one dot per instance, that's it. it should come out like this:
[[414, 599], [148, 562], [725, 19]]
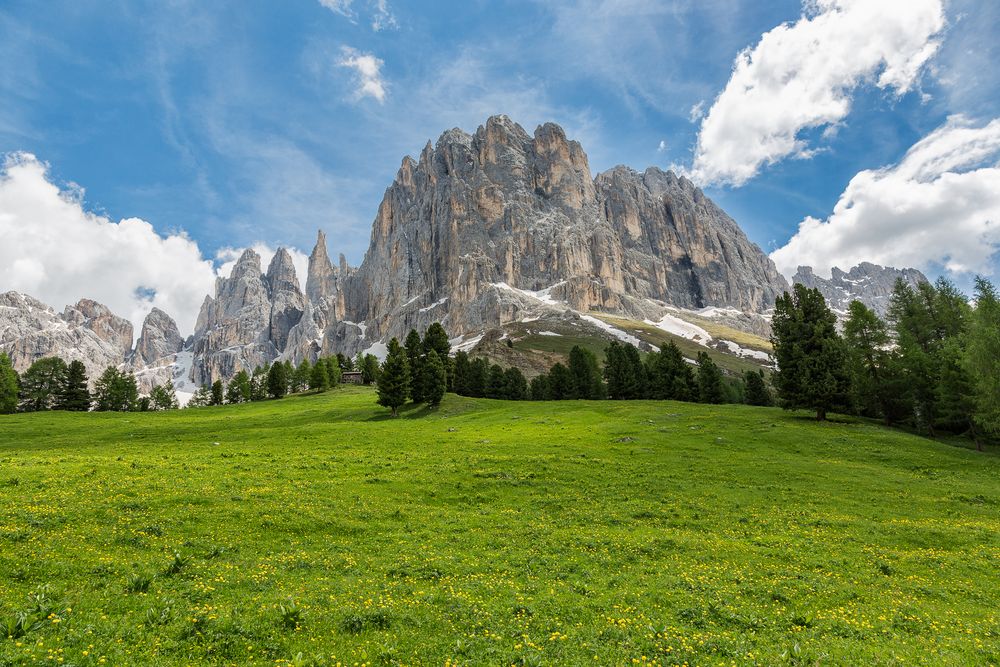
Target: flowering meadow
[[316, 530]]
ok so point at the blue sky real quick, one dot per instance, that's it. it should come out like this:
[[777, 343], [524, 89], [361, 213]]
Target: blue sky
[[249, 122]]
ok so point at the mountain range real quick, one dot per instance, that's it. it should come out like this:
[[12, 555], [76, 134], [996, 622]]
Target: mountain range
[[499, 235]]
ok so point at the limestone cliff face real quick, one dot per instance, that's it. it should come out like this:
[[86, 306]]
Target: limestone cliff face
[[87, 332], [159, 339], [479, 214], [868, 283]]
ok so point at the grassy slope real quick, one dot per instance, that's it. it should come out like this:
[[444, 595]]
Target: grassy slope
[[491, 532]]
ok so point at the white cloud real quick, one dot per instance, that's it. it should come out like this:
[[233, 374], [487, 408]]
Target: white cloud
[[662, 147], [697, 112], [802, 76], [368, 72], [56, 251], [940, 206], [383, 18], [342, 7]]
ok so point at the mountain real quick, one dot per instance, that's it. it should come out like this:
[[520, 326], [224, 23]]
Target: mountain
[[869, 283], [505, 238]]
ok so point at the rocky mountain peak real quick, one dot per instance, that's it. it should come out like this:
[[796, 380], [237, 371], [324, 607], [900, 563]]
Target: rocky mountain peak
[[281, 272], [160, 338], [868, 283]]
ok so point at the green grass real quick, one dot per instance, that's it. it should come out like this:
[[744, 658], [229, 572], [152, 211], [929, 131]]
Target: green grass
[[492, 533]]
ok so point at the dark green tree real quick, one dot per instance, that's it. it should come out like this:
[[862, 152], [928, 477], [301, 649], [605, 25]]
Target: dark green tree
[[479, 371], [333, 370], [369, 369], [218, 393], [585, 374], [9, 386], [461, 373], [539, 389], [344, 363], [75, 395], [560, 383], [239, 389], [277, 380], [436, 338], [414, 348], [300, 378], [163, 397], [319, 378], [618, 372], [42, 384], [515, 385], [812, 362], [873, 365], [710, 384], [394, 378], [982, 358], [258, 383], [435, 380], [116, 392], [757, 392], [495, 385]]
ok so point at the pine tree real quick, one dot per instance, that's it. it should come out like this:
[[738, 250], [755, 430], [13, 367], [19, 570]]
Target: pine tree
[[982, 358], [515, 385], [757, 392], [436, 338], [617, 373], [871, 360], [586, 377], [710, 387], [9, 385], [239, 389], [669, 376], [218, 393], [333, 370], [560, 383], [415, 358], [394, 378], [162, 397], [435, 379], [811, 358], [461, 373], [75, 395], [369, 369], [42, 384], [201, 398], [479, 371], [300, 379], [495, 385], [277, 380], [258, 383], [539, 390], [116, 392], [319, 379]]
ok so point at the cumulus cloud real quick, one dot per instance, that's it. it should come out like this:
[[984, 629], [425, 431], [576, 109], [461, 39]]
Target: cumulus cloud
[[368, 73], [802, 76], [56, 251], [939, 206]]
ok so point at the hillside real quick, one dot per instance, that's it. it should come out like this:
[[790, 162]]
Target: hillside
[[492, 533]]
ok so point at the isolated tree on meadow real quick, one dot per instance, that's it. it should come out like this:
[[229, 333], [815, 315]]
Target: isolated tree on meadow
[[9, 385], [710, 389], [75, 395], [394, 378], [277, 380], [42, 384], [435, 378], [163, 397], [812, 362]]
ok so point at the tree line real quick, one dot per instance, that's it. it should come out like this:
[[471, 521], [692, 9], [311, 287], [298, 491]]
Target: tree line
[[933, 364]]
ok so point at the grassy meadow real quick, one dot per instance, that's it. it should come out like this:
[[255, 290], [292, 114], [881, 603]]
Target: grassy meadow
[[317, 531]]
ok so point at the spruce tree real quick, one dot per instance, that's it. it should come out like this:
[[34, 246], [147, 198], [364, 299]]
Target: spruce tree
[[9, 386], [258, 383], [334, 371], [300, 379], [435, 380], [621, 382], [75, 395], [757, 392], [415, 358], [369, 369], [515, 385], [344, 363], [43, 384], [586, 377], [710, 388], [201, 398], [277, 380], [479, 371], [811, 358], [436, 338], [319, 378], [956, 392], [982, 358], [116, 391], [872, 364], [560, 383], [394, 378], [496, 387], [539, 390], [239, 389], [218, 393], [461, 373], [163, 397]]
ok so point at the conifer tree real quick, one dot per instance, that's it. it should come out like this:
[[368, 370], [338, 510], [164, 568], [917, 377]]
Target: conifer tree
[[710, 388], [757, 392], [201, 398], [42, 384], [435, 379], [319, 378], [218, 393], [956, 391], [9, 386], [618, 373], [334, 371], [344, 363], [560, 383], [872, 362], [394, 378], [982, 358], [461, 373], [515, 385], [415, 358], [163, 397], [116, 392], [75, 395], [539, 389], [369, 369], [811, 358], [495, 385], [258, 383], [300, 379], [436, 338], [277, 380], [586, 377], [479, 371], [239, 389]]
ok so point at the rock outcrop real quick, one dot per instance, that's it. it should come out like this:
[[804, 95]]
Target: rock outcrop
[[159, 339], [868, 283], [87, 332]]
